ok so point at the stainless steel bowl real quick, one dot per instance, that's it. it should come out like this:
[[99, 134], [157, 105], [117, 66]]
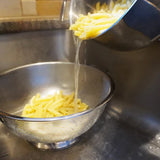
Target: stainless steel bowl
[[137, 27], [18, 85]]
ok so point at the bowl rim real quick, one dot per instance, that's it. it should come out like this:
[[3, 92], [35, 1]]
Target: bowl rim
[[20, 118]]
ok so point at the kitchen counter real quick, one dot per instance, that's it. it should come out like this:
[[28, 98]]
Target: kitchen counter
[[31, 24]]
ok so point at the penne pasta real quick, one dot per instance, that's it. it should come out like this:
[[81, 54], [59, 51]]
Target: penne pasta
[[104, 16], [53, 106]]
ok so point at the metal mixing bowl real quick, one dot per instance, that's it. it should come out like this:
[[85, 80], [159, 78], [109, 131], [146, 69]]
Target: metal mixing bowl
[[18, 85], [136, 28]]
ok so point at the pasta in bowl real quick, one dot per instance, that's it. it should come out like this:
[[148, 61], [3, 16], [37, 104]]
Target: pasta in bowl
[[55, 105], [95, 89]]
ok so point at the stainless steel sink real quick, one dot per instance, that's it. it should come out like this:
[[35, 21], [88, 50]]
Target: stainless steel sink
[[128, 129], [136, 75]]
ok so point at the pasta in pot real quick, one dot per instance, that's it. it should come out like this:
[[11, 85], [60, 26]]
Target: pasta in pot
[[103, 17], [53, 106]]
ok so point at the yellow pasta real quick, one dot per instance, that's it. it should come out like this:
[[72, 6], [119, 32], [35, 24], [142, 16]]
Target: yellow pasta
[[53, 106], [103, 17]]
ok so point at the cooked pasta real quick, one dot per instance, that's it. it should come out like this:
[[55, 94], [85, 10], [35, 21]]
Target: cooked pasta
[[53, 106], [103, 17]]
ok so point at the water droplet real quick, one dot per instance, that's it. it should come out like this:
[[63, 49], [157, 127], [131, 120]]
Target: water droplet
[[150, 147]]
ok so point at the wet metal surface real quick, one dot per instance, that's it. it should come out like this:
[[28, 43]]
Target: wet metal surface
[[107, 140], [136, 101]]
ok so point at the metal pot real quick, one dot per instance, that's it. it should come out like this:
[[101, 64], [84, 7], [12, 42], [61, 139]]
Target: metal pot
[[137, 28]]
